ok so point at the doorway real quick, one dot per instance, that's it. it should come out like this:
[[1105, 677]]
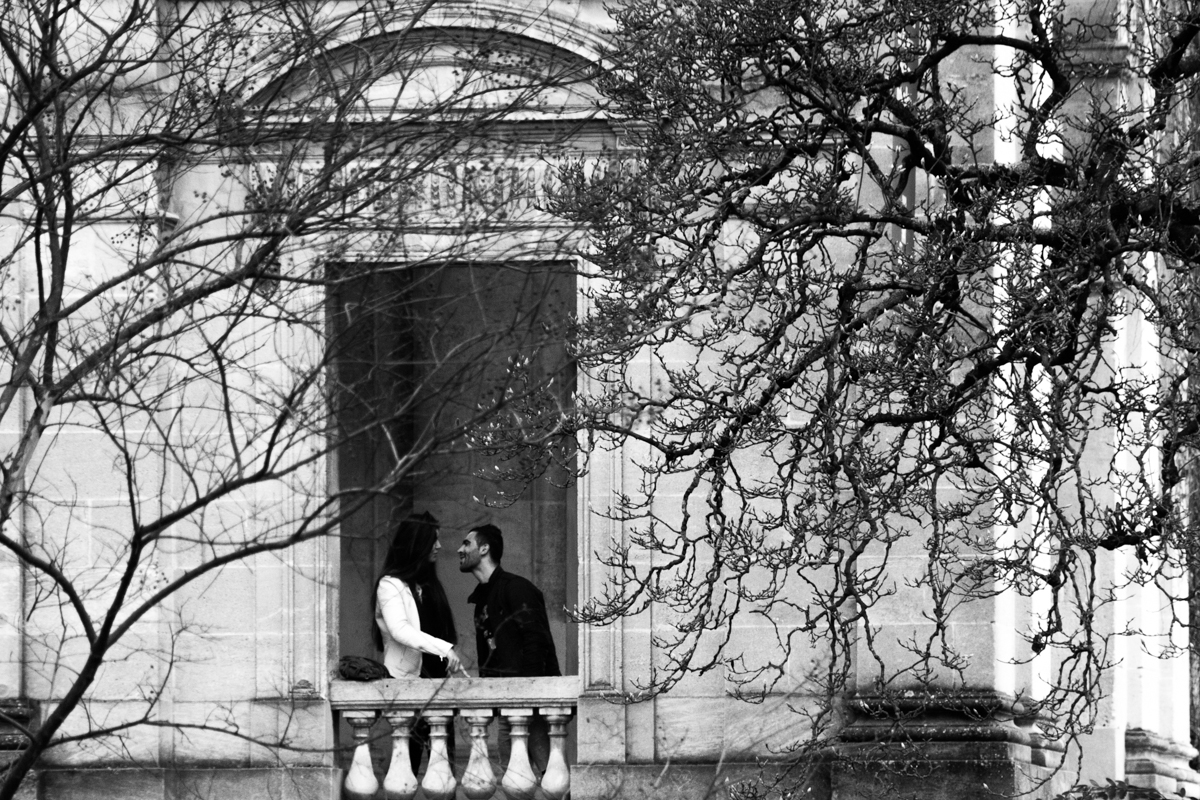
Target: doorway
[[449, 381]]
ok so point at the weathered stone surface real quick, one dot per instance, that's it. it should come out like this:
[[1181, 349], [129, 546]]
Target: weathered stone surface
[[1156, 762], [216, 783], [22, 712], [944, 746], [694, 781], [932, 770]]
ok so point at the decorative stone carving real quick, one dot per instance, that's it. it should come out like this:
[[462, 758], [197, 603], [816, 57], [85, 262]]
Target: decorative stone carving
[[439, 783], [519, 781], [400, 782], [556, 783], [474, 699], [361, 783], [478, 781]]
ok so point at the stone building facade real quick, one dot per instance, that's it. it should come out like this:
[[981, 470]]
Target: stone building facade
[[273, 627]]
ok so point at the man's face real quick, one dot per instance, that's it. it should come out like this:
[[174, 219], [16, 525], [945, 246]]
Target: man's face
[[468, 554]]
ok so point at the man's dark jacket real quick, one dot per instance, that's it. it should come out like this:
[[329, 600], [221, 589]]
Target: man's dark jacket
[[512, 633]]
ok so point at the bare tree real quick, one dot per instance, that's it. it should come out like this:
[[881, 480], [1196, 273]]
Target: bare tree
[[206, 208], [885, 261]]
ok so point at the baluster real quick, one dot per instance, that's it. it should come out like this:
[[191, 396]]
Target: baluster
[[478, 781], [400, 783], [361, 783], [439, 780], [556, 783], [519, 781]]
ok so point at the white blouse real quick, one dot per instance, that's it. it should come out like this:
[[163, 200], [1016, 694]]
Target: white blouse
[[399, 622]]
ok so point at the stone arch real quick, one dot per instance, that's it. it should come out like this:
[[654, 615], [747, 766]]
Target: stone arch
[[577, 37], [579, 32]]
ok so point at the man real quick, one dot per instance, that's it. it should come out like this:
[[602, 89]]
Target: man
[[512, 632]]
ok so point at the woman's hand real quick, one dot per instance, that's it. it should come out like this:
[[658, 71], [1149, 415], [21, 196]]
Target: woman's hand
[[453, 663]]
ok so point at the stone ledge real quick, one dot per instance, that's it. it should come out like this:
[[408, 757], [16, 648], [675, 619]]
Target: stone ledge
[[671, 781], [190, 783], [453, 693], [932, 770]]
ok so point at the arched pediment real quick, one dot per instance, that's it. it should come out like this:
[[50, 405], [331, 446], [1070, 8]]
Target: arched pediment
[[464, 69], [573, 31], [458, 119], [477, 57]]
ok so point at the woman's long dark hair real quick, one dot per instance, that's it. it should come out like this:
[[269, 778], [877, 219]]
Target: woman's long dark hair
[[408, 560]]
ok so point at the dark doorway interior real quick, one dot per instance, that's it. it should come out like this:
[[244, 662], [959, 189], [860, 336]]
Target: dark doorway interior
[[440, 364]]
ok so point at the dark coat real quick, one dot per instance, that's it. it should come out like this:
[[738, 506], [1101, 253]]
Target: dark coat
[[512, 632]]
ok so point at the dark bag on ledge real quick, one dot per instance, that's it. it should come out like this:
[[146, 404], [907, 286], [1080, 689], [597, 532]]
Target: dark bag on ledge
[[361, 668]]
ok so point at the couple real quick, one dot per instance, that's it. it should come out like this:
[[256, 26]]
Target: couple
[[415, 629]]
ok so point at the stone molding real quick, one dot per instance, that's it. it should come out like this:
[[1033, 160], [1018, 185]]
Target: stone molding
[[937, 716], [22, 713], [944, 744], [1153, 761]]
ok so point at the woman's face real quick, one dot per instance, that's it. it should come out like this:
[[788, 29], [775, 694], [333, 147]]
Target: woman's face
[[437, 547]]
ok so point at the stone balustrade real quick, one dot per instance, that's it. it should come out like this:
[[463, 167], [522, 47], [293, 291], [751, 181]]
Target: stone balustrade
[[477, 701]]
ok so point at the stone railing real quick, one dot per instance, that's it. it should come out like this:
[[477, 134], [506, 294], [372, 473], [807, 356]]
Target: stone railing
[[476, 700]]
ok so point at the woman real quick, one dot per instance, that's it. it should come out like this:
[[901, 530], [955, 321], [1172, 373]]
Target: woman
[[413, 623]]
